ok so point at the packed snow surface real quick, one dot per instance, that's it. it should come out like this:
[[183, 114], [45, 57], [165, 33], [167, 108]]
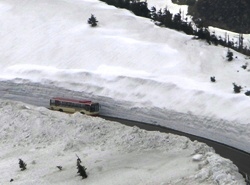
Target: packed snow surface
[[113, 154]]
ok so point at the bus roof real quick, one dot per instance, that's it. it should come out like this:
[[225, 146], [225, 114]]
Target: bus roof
[[71, 100]]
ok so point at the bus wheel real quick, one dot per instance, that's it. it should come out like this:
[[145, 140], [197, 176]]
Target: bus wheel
[[60, 110]]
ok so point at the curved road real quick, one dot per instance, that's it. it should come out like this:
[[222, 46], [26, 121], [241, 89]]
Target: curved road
[[38, 94], [240, 158]]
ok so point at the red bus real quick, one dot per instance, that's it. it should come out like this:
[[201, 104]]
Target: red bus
[[73, 105]]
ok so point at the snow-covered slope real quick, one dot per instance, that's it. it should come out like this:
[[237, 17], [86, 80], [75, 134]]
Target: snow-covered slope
[[45, 40], [111, 152], [126, 58]]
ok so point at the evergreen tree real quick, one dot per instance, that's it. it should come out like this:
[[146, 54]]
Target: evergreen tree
[[212, 78], [153, 14], [140, 9], [177, 21], [214, 39], [241, 38], [203, 33], [229, 55], [92, 21], [125, 4], [199, 23], [81, 169], [167, 18], [207, 36], [22, 165], [159, 17], [187, 28], [237, 88]]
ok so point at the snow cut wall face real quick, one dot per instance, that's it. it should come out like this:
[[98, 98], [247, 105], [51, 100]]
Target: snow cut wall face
[[136, 60], [111, 152]]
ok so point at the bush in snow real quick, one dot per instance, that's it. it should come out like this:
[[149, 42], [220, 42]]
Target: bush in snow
[[237, 88], [22, 165], [247, 93], [244, 66], [92, 21], [59, 167]]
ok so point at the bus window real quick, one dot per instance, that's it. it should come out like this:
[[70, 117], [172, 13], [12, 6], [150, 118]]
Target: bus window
[[57, 103], [87, 107], [92, 108]]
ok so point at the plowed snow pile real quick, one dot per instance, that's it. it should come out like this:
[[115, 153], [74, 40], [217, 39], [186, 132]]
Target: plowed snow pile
[[111, 152]]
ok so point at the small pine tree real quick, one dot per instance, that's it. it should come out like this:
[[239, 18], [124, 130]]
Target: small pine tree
[[212, 78], [22, 165], [229, 55], [92, 21], [81, 169], [237, 88], [153, 14]]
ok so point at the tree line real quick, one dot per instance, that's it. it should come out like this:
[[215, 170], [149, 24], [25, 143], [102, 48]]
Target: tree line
[[164, 18]]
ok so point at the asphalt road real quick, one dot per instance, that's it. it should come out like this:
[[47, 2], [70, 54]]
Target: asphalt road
[[39, 95]]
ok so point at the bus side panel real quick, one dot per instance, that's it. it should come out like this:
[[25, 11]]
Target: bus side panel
[[64, 109]]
